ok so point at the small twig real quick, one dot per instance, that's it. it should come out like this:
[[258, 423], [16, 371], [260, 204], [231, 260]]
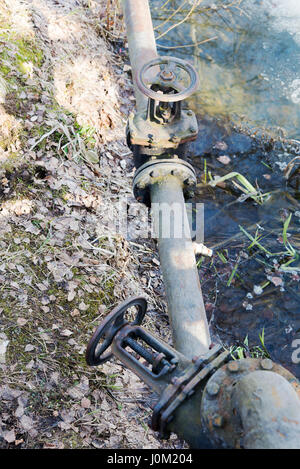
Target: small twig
[[170, 17], [188, 45], [43, 137], [166, 3], [180, 22]]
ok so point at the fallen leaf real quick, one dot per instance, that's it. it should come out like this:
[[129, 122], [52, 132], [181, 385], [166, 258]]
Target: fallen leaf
[[66, 333], [21, 321], [224, 159], [276, 281], [26, 423], [75, 312], [71, 295], [19, 411], [3, 346], [82, 306], [18, 442], [85, 403], [9, 436], [29, 348]]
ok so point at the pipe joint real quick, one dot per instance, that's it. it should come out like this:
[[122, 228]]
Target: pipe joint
[[157, 171], [257, 406]]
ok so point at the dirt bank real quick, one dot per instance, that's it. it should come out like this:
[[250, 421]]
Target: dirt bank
[[65, 92]]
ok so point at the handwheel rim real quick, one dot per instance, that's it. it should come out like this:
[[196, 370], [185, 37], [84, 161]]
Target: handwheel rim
[[186, 66], [113, 322]]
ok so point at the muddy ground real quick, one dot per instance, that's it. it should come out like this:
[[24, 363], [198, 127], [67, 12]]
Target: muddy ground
[[65, 93]]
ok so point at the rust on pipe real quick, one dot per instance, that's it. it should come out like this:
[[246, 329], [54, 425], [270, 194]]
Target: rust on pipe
[[141, 41], [178, 265], [269, 409]]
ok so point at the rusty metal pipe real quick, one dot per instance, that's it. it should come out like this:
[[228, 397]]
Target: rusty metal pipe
[[269, 409], [184, 297], [178, 264], [141, 41]]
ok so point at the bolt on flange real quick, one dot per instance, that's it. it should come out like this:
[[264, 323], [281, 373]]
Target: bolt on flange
[[266, 364], [154, 171]]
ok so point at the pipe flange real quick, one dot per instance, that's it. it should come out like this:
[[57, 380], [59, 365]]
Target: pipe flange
[[184, 386], [218, 414], [154, 171]]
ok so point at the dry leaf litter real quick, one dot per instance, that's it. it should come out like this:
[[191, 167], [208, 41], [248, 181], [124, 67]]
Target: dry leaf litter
[[65, 93]]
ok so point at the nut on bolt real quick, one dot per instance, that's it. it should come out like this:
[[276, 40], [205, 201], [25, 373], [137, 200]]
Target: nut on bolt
[[233, 367], [167, 75], [266, 364], [212, 389], [218, 421]]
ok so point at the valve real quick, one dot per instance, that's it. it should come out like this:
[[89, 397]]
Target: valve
[[166, 90], [163, 125], [177, 381], [150, 358], [130, 342], [205, 400]]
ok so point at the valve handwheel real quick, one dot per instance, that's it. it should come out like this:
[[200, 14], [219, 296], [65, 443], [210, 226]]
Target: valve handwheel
[[95, 352], [168, 77]]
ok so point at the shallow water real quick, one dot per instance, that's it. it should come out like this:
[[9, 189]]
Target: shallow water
[[250, 69], [250, 76]]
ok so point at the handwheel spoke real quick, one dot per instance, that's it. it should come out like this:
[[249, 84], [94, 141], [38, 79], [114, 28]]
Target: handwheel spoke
[[177, 85], [103, 347]]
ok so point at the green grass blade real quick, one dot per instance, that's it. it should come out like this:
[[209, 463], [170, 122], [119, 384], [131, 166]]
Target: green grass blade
[[285, 227]]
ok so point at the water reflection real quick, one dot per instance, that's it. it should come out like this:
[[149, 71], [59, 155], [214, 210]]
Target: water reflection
[[250, 69]]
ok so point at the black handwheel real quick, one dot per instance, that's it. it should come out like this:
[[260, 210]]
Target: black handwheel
[[95, 352], [168, 76]]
